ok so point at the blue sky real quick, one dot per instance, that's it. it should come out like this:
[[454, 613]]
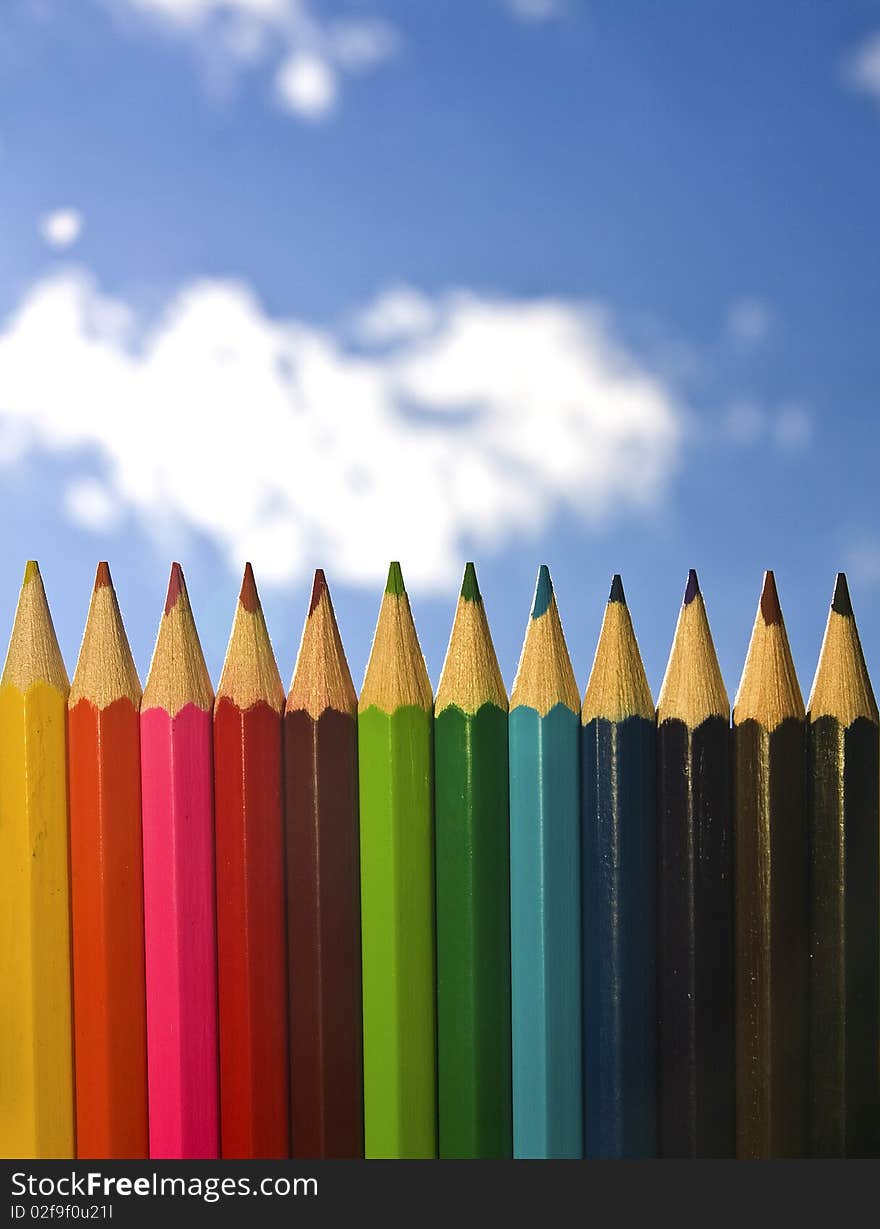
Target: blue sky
[[324, 283]]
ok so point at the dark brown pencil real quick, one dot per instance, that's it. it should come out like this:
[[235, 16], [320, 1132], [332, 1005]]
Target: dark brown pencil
[[771, 894], [323, 897], [695, 895], [844, 758]]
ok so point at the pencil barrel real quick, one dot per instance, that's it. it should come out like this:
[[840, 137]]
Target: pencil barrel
[[397, 932], [772, 938], [252, 1001], [844, 772], [619, 936], [324, 944], [545, 937], [473, 933], [695, 940], [107, 930]]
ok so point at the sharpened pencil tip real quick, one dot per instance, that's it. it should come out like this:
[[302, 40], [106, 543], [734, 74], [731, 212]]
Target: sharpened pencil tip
[[841, 603], [470, 590], [543, 592], [617, 594], [394, 584], [319, 586], [102, 576], [31, 571], [175, 587], [770, 608], [692, 588], [248, 596]]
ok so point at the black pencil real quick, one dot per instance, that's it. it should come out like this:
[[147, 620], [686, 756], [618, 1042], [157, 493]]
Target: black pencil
[[844, 759], [695, 895], [771, 894]]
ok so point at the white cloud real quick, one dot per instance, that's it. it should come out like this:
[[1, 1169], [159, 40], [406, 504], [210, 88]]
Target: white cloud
[[749, 321], [307, 54], [90, 505], [278, 442], [307, 85], [534, 10], [62, 227], [863, 68]]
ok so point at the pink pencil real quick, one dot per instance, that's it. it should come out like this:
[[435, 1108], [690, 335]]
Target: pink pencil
[[179, 929]]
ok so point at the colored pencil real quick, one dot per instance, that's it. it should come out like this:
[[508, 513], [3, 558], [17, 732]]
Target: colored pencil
[[397, 887], [695, 895], [323, 892], [619, 894], [771, 894], [36, 1064], [107, 887], [179, 928], [844, 771], [249, 834], [473, 890], [545, 890]]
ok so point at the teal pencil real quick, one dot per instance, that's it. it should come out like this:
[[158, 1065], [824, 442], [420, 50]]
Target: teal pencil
[[545, 895]]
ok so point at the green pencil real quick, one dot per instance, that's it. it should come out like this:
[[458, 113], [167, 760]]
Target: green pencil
[[397, 897], [473, 891]]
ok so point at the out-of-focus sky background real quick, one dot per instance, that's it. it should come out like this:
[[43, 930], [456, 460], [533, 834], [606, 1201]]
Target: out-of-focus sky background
[[327, 282]]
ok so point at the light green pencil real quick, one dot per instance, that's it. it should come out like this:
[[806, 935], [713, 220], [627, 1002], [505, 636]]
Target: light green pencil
[[397, 887]]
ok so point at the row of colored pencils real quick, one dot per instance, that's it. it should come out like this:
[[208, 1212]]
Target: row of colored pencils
[[252, 925]]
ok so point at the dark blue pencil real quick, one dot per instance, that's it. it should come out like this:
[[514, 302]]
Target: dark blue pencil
[[619, 896]]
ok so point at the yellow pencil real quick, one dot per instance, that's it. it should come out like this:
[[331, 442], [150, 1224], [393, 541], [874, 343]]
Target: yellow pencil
[[36, 1078]]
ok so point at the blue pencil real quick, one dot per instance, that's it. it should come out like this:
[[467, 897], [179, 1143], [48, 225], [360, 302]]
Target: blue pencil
[[545, 894], [619, 896]]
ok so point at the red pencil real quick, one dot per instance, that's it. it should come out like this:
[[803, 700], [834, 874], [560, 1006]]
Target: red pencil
[[181, 958], [250, 890], [323, 893], [107, 907]]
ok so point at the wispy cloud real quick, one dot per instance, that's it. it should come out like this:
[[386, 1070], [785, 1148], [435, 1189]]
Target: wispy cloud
[[475, 423], [534, 10], [307, 55], [863, 67], [749, 321], [62, 227], [788, 427]]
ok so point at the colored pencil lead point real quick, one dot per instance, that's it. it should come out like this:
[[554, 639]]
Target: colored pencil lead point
[[692, 588], [617, 594], [319, 587], [470, 590], [31, 571], [102, 577], [543, 592], [248, 597], [394, 584], [770, 608], [175, 587], [841, 603]]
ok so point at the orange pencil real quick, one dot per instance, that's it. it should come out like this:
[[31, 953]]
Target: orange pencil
[[107, 887]]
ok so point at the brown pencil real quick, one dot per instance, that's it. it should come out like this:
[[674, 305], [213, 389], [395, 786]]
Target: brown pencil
[[323, 892], [771, 894]]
